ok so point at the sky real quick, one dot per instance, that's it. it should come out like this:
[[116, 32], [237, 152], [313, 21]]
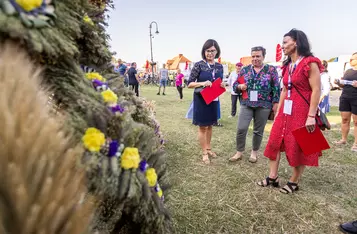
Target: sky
[[237, 25]]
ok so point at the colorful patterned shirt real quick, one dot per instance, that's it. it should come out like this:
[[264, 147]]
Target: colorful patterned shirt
[[266, 82]]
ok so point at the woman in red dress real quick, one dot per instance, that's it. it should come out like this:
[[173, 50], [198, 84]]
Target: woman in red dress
[[301, 74]]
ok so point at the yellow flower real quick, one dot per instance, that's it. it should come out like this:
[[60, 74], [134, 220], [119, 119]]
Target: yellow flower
[[159, 193], [94, 76], [93, 139], [88, 20], [29, 5], [109, 96], [151, 177], [130, 158]]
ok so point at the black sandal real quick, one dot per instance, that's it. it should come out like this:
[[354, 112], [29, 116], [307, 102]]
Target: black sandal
[[269, 182], [218, 125], [289, 188]]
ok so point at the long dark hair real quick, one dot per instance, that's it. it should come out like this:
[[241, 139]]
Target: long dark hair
[[302, 43], [325, 64]]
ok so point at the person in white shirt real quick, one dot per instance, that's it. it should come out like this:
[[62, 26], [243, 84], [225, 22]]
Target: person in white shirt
[[324, 103], [234, 96]]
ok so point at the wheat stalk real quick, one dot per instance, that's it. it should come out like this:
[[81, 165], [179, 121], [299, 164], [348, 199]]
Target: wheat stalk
[[40, 187]]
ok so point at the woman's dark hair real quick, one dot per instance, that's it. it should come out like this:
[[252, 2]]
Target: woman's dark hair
[[208, 44], [302, 43], [325, 64], [354, 53]]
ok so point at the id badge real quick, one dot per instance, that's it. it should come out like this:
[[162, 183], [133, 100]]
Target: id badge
[[288, 107], [253, 96]]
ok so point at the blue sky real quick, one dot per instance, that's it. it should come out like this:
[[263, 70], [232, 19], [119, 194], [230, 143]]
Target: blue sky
[[236, 25]]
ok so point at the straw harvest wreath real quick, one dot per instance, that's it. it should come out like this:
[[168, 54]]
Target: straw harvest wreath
[[124, 158]]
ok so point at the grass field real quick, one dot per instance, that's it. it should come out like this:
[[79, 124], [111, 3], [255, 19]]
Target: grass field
[[223, 197]]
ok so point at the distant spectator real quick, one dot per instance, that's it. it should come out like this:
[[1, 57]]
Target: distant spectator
[[122, 69], [164, 76], [234, 95], [133, 79], [180, 82], [324, 103]]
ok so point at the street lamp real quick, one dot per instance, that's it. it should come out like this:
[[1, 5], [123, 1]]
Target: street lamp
[[151, 37]]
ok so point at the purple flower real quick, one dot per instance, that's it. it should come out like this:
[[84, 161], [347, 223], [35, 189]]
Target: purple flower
[[113, 148], [97, 83], [117, 108], [143, 166]]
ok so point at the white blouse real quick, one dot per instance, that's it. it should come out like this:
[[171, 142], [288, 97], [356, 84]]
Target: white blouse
[[325, 84]]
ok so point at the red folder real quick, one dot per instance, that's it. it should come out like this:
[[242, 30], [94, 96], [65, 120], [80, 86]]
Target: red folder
[[213, 92], [310, 143], [244, 92]]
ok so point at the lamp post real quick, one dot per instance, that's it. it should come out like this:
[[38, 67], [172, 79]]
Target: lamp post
[[151, 37]]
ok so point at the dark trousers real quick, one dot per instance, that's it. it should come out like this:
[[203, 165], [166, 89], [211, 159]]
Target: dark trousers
[[246, 114], [234, 104], [135, 87], [179, 89]]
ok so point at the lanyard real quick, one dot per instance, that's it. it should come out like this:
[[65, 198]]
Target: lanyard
[[213, 71], [256, 74], [292, 68]]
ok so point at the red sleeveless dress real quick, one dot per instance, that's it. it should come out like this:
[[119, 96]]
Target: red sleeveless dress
[[281, 137]]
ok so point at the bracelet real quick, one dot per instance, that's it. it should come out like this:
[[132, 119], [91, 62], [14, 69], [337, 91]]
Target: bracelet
[[311, 116]]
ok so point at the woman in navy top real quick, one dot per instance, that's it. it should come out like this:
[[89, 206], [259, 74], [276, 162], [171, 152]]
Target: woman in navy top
[[203, 74]]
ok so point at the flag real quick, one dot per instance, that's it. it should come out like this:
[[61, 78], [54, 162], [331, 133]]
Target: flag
[[279, 54]]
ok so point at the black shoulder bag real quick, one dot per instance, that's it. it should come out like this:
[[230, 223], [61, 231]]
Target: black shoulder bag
[[321, 119]]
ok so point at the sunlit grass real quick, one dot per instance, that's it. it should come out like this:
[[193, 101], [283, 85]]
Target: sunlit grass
[[223, 197]]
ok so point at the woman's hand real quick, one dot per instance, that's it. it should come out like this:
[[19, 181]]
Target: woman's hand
[[224, 84], [242, 87], [310, 124], [207, 83]]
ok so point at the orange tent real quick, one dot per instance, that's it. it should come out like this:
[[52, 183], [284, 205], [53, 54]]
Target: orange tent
[[173, 64]]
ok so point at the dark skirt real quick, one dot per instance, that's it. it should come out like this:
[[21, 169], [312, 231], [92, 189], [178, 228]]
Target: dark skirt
[[203, 114]]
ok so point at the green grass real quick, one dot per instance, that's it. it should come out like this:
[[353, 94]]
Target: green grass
[[223, 197]]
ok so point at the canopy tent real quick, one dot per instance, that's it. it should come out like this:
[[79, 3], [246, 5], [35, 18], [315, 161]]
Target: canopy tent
[[174, 64]]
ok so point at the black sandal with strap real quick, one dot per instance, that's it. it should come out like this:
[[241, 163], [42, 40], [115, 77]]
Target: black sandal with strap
[[289, 188], [269, 182]]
